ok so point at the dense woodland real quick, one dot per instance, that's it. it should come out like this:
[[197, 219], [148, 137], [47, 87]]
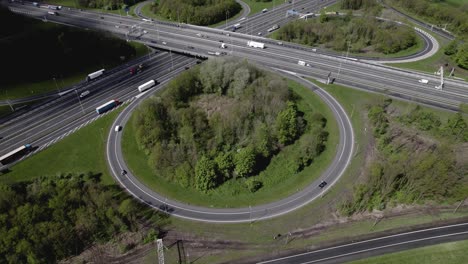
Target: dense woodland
[[107, 4], [50, 219], [416, 160], [197, 12], [45, 51], [362, 33], [223, 120], [441, 13]]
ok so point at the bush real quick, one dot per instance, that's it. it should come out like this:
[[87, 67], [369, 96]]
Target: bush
[[253, 185]]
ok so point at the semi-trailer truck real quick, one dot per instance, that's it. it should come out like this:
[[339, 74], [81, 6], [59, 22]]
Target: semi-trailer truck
[[107, 106], [94, 75], [255, 44], [146, 85]]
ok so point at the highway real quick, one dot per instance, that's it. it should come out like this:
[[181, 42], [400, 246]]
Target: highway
[[344, 152], [354, 73], [59, 117], [376, 246]]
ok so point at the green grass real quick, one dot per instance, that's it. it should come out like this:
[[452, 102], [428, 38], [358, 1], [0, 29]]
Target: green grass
[[81, 152], [256, 7], [277, 182], [335, 7], [453, 252]]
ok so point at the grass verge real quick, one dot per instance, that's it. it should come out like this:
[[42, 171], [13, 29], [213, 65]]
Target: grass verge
[[453, 252], [277, 183], [81, 152], [256, 7]]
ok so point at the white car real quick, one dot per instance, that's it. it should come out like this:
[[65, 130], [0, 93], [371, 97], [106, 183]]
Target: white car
[[83, 94], [164, 43], [423, 81], [118, 128], [264, 10]]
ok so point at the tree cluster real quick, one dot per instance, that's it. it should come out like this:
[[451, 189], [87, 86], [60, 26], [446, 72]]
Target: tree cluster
[[361, 33], [438, 12], [222, 120], [458, 50], [55, 51], [47, 220], [197, 12], [411, 169]]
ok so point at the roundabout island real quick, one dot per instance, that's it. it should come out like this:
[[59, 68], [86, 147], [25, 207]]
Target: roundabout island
[[133, 185]]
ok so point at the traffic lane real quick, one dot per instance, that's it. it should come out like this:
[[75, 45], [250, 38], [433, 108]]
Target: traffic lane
[[377, 246]]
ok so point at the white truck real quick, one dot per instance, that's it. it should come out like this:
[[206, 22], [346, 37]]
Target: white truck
[[255, 44], [94, 75], [146, 85]]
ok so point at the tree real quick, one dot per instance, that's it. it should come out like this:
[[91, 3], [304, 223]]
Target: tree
[[205, 174], [244, 161], [451, 48], [288, 125], [253, 185], [462, 56], [323, 16]]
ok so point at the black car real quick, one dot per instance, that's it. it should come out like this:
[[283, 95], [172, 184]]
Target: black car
[[123, 172], [322, 184]]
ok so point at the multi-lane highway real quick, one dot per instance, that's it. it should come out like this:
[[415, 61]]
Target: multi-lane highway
[[61, 116], [201, 40]]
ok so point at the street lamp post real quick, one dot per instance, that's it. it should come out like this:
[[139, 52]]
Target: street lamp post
[[79, 100], [56, 85], [172, 61]]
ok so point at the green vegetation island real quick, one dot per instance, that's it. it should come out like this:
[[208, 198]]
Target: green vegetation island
[[222, 124], [361, 34]]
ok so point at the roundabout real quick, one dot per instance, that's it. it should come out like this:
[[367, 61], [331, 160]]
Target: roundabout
[[331, 175]]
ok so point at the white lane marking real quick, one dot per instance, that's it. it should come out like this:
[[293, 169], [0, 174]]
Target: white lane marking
[[386, 246], [370, 240]]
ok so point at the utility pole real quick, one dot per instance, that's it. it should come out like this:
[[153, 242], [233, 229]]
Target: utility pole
[[56, 85], [79, 100], [441, 85], [347, 52], [172, 61], [160, 246]]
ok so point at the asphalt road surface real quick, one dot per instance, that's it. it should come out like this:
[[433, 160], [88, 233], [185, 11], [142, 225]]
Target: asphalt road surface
[[377, 246]]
